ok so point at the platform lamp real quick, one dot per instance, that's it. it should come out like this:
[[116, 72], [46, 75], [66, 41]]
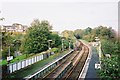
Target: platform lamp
[[69, 43], [62, 44], [49, 41], [9, 58]]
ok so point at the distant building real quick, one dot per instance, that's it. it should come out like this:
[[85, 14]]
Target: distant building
[[14, 28]]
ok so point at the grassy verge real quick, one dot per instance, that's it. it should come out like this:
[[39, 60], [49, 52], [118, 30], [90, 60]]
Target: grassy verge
[[17, 59], [37, 66], [3, 62], [24, 56]]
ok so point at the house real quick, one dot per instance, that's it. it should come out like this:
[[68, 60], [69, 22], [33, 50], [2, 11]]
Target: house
[[14, 28]]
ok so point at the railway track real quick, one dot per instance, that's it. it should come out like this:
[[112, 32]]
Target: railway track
[[74, 72], [71, 67], [61, 67]]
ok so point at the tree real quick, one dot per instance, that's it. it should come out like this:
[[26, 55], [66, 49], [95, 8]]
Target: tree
[[68, 34], [66, 43], [110, 68], [43, 23], [56, 40], [78, 33], [7, 40], [36, 38], [87, 31], [110, 47]]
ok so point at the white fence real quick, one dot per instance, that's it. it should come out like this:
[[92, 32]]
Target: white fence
[[22, 64]]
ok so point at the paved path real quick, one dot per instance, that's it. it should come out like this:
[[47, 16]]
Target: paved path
[[91, 72]]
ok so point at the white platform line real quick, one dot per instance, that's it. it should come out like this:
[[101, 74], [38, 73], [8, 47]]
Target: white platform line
[[85, 68]]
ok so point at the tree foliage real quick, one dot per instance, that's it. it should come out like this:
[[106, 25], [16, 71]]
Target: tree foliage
[[68, 34], [89, 34], [87, 31], [110, 68], [56, 39], [110, 47], [78, 33], [36, 37]]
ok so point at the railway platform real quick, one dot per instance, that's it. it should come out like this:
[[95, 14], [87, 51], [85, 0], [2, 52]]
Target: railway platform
[[92, 72], [89, 72], [37, 66]]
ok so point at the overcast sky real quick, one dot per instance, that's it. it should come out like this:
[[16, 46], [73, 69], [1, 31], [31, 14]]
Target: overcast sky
[[62, 15]]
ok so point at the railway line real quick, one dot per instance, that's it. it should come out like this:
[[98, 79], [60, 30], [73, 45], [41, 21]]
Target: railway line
[[68, 67], [71, 67], [63, 66], [74, 72]]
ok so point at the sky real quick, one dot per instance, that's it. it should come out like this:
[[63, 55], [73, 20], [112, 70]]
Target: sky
[[62, 15]]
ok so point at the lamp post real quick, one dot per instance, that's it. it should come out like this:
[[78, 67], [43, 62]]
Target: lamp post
[[9, 51], [69, 44], [62, 45], [9, 58], [49, 44]]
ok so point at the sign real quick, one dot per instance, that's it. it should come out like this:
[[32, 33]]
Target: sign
[[97, 66], [9, 58]]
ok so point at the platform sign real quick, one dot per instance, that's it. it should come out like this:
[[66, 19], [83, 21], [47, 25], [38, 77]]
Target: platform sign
[[97, 66], [9, 58]]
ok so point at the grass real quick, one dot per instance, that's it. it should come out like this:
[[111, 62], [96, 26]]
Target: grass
[[17, 59], [22, 57], [37, 66], [3, 62]]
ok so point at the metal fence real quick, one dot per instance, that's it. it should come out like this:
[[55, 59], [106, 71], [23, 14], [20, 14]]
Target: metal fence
[[22, 64]]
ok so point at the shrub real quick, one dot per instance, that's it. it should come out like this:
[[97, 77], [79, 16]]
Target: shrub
[[54, 50]]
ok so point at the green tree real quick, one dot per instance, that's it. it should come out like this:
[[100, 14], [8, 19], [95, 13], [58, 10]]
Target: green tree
[[66, 43], [110, 68], [7, 41], [78, 33], [43, 23], [110, 47], [36, 38], [68, 34], [87, 31], [56, 39]]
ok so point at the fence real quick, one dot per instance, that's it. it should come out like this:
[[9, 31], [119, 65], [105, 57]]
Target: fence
[[22, 64]]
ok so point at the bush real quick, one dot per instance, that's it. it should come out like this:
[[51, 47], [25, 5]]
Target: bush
[[110, 47], [110, 68], [55, 50], [3, 62], [19, 58]]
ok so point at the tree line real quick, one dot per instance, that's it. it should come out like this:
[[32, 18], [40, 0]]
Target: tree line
[[36, 39], [110, 42]]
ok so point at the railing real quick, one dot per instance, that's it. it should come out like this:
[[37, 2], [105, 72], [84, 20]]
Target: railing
[[22, 64]]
